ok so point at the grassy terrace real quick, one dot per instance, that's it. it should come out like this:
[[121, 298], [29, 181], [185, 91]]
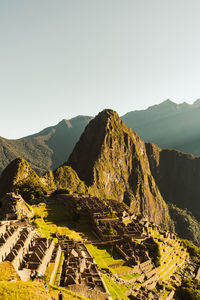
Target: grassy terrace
[[68, 295], [130, 276], [171, 258], [53, 220], [59, 270], [103, 256], [116, 290]]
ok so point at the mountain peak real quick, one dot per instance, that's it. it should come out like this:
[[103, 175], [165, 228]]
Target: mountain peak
[[111, 159], [197, 102], [168, 102], [106, 115]]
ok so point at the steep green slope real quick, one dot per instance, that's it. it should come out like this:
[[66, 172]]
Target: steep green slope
[[64, 178], [18, 176], [186, 226], [111, 159], [47, 149]]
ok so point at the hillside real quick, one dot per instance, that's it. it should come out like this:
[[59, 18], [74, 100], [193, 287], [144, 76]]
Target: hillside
[[47, 149], [168, 125], [186, 226]]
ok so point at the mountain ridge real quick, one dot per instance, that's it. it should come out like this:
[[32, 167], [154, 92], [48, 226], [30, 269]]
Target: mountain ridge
[[46, 149]]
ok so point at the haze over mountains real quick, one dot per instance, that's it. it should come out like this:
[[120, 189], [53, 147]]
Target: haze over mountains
[[168, 125], [46, 149]]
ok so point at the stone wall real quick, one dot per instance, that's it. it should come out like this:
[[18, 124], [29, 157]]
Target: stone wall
[[22, 251], [46, 259], [9, 243]]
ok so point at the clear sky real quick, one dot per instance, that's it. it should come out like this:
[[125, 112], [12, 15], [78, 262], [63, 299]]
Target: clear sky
[[63, 58]]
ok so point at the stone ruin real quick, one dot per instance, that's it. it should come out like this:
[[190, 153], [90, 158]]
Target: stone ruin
[[24, 248], [80, 273]]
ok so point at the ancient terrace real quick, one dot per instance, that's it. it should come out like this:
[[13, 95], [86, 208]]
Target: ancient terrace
[[21, 245], [134, 239], [69, 263]]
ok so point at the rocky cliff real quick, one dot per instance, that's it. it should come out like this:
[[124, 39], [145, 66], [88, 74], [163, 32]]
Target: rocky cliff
[[111, 159], [177, 175]]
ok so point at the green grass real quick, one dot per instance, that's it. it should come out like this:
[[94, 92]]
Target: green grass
[[130, 276], [21, 290], [116, 290], [59, 269], [51, 219], [54, 291], [121, 269], [7, 272], [49, 271], [102, 256]]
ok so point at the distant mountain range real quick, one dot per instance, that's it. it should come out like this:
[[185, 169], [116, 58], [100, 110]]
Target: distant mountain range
[[168, 125], [47, 149]]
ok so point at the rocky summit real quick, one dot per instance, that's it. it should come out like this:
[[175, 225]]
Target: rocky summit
[[111, 159]]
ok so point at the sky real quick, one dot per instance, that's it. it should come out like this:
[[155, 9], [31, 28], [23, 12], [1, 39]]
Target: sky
[[63, 58]]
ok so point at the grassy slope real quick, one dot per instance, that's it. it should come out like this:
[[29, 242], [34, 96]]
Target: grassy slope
[[21, 290]]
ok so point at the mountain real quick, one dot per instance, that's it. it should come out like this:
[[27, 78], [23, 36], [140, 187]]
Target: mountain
[[47, 149], [186, 226], [177, 176], [111, 159], [168, 125], [109, 162], [19, 177]]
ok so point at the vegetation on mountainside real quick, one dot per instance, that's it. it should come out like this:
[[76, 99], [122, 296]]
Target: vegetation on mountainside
[[66, 178], [31, 188], [19, 177], [189, 290], [177, 175], [111, 159], [154, 253], [47, 149], [193, 250], [186, 226]]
